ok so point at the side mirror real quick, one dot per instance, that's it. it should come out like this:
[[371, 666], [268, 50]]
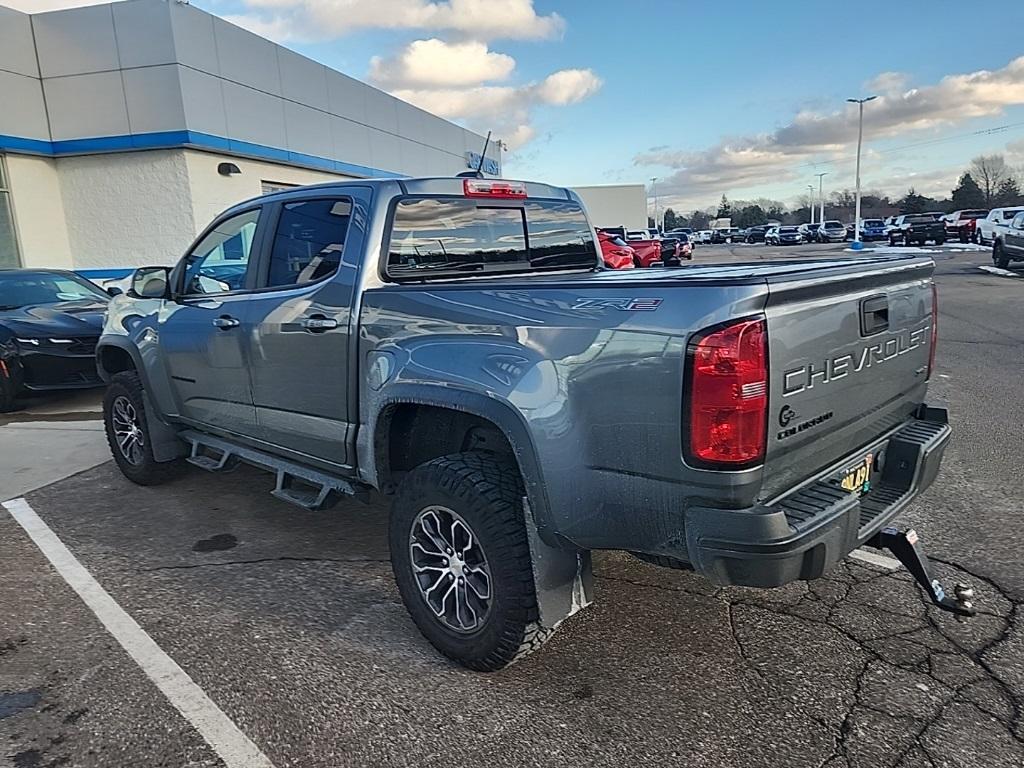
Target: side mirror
[[113, 290], [151, 283]]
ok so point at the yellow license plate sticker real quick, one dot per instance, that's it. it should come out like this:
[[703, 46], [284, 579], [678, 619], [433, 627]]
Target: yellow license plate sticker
[[858, 478]]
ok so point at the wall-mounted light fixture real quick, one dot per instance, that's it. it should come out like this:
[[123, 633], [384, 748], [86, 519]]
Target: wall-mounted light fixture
[[228, 169]]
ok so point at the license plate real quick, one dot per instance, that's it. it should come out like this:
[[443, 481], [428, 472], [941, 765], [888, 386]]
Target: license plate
[[858, 478]]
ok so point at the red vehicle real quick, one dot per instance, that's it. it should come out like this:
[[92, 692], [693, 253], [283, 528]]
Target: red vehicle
[[648, 252], [615, 252], [964, 224]]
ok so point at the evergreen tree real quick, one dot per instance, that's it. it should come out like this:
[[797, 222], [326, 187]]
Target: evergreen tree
[[911, 202], [1008, 194], [724, 208], [670, 220], [967, 194]]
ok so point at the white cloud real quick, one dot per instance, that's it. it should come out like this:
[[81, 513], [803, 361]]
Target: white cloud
[[433, 63], [568, 86], [887, 82], [307, 20], [505, 108], [749, 161]]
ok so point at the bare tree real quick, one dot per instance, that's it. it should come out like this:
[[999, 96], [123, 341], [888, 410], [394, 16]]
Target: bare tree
[[990, 171]]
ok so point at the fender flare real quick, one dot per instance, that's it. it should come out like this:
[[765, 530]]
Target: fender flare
[[163, 436], [502, 414]]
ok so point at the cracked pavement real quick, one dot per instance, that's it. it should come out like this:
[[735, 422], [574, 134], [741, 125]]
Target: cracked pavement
[[291, 622]]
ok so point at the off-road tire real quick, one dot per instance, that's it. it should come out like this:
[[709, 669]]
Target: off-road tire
[[149, 471], [487, 492], [941, 241], [999, 258]]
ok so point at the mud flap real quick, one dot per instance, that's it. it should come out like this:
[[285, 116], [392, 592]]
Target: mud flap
[[563, 578], [164, 440]]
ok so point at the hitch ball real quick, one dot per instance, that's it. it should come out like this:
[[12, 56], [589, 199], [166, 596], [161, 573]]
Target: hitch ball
[[964, 595]]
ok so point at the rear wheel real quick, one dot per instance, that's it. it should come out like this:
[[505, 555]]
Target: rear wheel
[[999, 257], [461, 559], [127, 428]]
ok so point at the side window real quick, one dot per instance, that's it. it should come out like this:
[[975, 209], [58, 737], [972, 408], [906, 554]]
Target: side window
[[1018, 222], [220, 260], [309, 240]]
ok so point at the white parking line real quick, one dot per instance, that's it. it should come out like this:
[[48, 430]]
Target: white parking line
[[223, 736], [882, 561]]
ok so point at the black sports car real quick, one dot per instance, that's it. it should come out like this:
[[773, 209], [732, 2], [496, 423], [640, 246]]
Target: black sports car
[[50, 321]]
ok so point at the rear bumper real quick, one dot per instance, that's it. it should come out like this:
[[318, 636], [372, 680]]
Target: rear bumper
[[806, 532]]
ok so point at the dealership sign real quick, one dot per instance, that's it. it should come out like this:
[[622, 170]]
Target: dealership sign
[[490, 166]]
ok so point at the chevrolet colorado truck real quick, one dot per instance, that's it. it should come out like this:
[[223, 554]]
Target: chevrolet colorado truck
[[453, 342]]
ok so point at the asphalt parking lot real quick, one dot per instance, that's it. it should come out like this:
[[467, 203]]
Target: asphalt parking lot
[[291, 623]]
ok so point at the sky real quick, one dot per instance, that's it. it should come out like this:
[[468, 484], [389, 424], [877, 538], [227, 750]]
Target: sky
[[745, 99]]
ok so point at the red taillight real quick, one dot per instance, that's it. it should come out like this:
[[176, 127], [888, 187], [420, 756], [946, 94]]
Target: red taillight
[[935, 329], [489, 188], [727, 388]]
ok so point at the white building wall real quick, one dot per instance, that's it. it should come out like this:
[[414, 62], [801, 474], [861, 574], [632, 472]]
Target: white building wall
[[615, 205], [126, 209], [210, 193], [38, 207]]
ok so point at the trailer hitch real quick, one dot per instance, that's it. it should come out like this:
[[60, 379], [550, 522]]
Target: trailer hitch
[[905, 548]]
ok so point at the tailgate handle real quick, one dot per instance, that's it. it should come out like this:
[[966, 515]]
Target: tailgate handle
[[874, 315]]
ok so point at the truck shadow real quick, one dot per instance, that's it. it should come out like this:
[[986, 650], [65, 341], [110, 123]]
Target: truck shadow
[[301, 612]]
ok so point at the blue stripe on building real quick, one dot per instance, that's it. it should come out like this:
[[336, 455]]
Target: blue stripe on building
[[185, 140]]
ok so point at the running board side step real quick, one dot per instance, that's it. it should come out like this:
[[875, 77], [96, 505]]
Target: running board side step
[[905, 548], [297, 484]]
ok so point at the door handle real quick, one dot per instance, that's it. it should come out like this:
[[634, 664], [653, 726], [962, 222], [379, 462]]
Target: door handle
[[319, 323], [224, 322]]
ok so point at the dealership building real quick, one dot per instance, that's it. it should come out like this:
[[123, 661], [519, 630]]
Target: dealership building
[[125, 127]]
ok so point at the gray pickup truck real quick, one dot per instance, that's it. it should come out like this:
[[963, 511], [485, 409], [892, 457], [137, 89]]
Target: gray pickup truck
[[455, 342], [1008, 244]]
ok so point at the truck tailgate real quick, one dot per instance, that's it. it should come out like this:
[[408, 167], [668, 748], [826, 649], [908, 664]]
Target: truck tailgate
[[848, 356]]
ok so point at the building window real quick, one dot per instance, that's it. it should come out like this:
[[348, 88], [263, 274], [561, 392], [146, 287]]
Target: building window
[[8, 238]]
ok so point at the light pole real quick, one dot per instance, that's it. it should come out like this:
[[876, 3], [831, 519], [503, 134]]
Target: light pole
[[810, 200], [821, 196], [860, 137], [654, 191]]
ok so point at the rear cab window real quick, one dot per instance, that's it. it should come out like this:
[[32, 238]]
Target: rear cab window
[[447, 237]]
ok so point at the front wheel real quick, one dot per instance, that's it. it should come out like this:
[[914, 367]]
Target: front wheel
[[127, 428], [461, 559]]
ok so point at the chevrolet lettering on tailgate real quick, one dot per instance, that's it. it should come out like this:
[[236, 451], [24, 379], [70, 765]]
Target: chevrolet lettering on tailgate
[[805, 377]]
